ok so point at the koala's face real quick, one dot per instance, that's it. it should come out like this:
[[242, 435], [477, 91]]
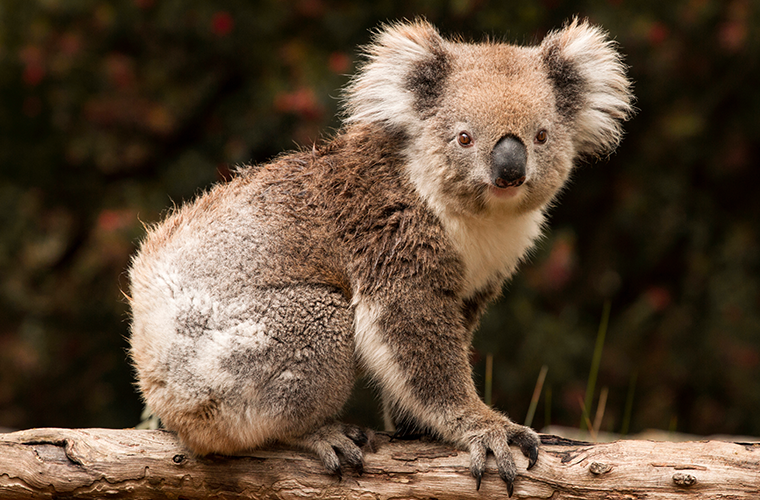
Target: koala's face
[[498, 127], [493, 126]]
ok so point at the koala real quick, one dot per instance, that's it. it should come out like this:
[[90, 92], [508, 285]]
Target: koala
[[255, 305]]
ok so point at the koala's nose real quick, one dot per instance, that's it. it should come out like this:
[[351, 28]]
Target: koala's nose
[[508, 161]]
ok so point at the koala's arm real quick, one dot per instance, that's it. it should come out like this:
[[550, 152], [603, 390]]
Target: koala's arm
[[413, 342], [413, 337]]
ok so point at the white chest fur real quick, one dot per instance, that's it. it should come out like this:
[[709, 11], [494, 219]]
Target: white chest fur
[[491, 248], [491, 244]]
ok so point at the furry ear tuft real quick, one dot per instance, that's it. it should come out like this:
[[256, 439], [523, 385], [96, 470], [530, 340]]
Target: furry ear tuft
[[405, 68], [593, 90]]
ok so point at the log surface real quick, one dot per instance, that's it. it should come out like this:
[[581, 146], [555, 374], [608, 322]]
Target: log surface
[[109, 463]]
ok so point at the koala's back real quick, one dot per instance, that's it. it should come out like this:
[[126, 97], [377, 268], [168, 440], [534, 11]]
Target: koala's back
[[274, 225]]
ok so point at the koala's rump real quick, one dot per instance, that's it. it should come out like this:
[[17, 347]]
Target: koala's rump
[[231, 346]]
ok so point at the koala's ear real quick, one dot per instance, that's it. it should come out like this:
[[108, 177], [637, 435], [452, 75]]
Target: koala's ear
[[403, 76], [592, 88]]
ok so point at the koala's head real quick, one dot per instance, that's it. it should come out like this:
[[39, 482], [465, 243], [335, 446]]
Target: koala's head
[[493, 126]]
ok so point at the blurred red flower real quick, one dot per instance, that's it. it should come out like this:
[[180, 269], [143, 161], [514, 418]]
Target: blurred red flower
[[222, 23]]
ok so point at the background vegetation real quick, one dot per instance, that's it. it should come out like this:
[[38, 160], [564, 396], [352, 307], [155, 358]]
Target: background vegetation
[[111, 111]]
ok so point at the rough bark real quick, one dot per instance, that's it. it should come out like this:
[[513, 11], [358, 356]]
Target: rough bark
[[106, 463]]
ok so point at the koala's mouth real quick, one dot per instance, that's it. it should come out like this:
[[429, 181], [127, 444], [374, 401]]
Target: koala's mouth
[[505, 193]]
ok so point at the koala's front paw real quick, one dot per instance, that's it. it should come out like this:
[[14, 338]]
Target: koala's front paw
[[496, 437], [333, 438]]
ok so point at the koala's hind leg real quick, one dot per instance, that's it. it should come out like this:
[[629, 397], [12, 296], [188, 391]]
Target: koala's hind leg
[[335, 437], [273, 365]]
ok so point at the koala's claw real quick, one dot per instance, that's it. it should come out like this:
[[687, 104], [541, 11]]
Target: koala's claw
[[356, 434], [498, 443], [510, 488], [333, 438], [527, 440], [532, 454]]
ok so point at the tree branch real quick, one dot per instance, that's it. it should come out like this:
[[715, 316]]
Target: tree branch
[[98, 463]]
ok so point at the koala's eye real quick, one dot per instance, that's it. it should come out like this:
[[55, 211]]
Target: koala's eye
[[465, 139], [541, 137]]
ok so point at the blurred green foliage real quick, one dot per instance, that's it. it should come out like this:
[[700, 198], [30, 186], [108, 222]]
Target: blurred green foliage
[[111, 111]]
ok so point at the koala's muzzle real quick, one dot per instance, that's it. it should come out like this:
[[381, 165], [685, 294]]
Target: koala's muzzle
[[508, 161]]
